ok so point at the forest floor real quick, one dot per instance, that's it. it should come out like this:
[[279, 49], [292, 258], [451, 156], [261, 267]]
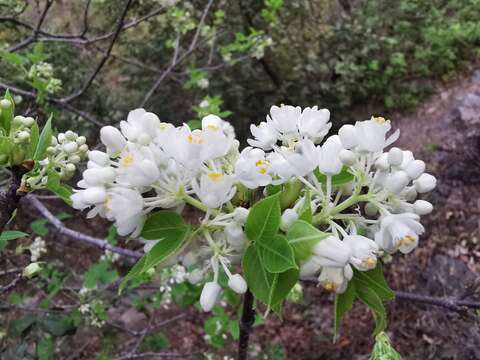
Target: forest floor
[[445, 133]]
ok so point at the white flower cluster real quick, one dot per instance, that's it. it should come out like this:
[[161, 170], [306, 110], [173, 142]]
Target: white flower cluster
[[37, 248], [149, 164], [64, 153]]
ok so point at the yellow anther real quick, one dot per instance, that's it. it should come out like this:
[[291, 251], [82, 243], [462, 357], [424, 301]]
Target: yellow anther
[[379, 120], [213, 127], [329, 285], [127, 160], [194, 139], [370, 261], [263, 170], [215, 176]]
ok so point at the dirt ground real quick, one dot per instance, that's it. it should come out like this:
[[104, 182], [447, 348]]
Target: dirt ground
[[445, 132]]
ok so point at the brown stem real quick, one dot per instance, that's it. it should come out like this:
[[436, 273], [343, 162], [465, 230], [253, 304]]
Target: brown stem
[[246, 323], [10, 199]]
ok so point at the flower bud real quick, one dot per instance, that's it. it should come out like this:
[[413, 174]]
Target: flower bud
[[51, 150], [81, 140], [53, 141], [210, 294], [70, 147], [234, 234], [382, 162], [422, 207], [5, 104], [415, 169], [348, 136], [237, 284], [23, 136], [112, 139], [94, 195], [83, 148], [425, 183], [70, 168], [289, 216], [397, 181], [18, 120], [347, 157], [240, 215], [61, 137], [407, 159], [370, 209], [395, 156], [28, 121], [31, 270], [410, 194], [99, 158], [74, 159], [189, 259], [70, 135]]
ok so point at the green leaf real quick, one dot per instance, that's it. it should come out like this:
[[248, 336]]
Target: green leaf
[[34, 137], [290, 192], [343, 304], [303, 237], [282, 285], [375, 280], [264, 218], [39, 227], [98, 274], [12, 235], [45, 348], [22, 324], [6, 147], [54, 184], [370, 298], [342, 178], [56, 324], [169, 229], [194, 124], [306, 210], [259, 280], [277, 254], [44, 141]]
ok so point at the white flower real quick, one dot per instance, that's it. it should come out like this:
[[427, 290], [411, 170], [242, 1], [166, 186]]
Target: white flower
[[97, 176], [304, 158], [279, 167], [363, 252], [335, 278], [252, 169], [237, 283], [371, 134], [265, 136], [113, 139], [313, 123], [210, 294], [125, 207], [137, 166], [395, 156], [399, 232], [214, 189], [94, 195], [141, 126], [235, 235], [284, 118], [397, 181], [309, 267], [328, 156], [347, 157], [332, 252], [425, 183], [98, 158]]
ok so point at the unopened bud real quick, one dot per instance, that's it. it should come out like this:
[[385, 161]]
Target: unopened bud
[[370, 209], [382, 162], [74, 159], [235, 235], [83, 148], [348, 136], [195, 276], [94, 195], [70, 168], [113, 140], [5, 104], [70, 147], [28, 121], [289, 216], [240, 215], [61, 137], [309, 268], [422, 207], [99, 158], [70, 135], [81, 140], [347, 157], [210, 294], [395, 156], [397, 181], [237, 283], [415, 169], [18, 120], [425, 183]]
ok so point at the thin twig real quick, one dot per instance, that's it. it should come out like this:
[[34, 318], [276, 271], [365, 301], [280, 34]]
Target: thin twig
[[451, 303], [153, 355], [76, 235]]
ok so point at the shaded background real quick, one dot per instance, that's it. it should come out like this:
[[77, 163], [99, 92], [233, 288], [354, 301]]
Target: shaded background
[[413, 61]]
